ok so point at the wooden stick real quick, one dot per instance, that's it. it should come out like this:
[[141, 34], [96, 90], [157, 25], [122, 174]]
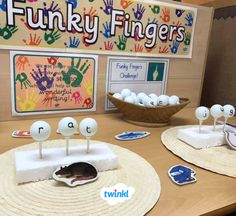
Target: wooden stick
[[88, 143], [214, 128], [226, 119], [40, 150], [200, 125], [67, 145]]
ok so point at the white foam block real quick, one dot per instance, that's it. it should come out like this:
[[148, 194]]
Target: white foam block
[[206, 138], [29, 167]]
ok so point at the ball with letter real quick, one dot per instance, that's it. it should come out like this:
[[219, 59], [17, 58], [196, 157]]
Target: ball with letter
[[217, 111], [229, 111], [88, 127], [202, 113], [40, 131], [67, 126]]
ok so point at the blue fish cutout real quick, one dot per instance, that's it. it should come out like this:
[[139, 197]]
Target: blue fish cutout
[[132, 135], [182, 175]]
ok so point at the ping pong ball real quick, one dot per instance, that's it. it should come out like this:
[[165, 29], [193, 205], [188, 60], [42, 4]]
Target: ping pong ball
[[152, 95], [174, 98], [136, 100], [217, 111], [140, 96], [129, 99], [229, 111], [118, 96], [88, 127], [125, 93], [149, 102], [40, 130], [133, 94], [163, 100], [67, 126], [202, 113]]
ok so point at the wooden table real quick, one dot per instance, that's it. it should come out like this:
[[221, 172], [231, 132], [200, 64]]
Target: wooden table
[[212, 194]]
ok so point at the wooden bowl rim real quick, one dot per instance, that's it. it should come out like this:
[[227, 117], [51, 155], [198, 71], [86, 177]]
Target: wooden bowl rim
[[183, 101]]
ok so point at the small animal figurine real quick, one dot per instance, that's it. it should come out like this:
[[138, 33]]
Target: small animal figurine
[[76, 173]]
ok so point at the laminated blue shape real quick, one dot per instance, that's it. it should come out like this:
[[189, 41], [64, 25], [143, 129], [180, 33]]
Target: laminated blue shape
[[182, 175], [132, 135]]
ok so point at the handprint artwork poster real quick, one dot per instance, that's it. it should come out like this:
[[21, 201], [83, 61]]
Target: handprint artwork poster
[[121, 27], [44, 83]]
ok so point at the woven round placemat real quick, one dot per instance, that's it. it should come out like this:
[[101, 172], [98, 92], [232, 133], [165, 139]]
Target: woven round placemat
[[219, 159], [50, 198]]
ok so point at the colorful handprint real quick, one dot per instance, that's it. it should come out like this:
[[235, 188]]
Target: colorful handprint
[[189, 19], [23, 79], [3, 5], [76, 71], [139, 11], [73, 43], [108, 45], [33, 41], [138, 47], [107, 30], [88, 85], [52, 60], [163, 50], [155, 9], [77, 97], [175, 47], [179, 12], [49, 98], [52, 8], [108, 7], [43, 81], [125, 3], [91, 13], [88, 103], [21, 62], [73, 2], [165, 15], [30, 102], [187, 39], [51, 37], [121, 45], [7, 32]]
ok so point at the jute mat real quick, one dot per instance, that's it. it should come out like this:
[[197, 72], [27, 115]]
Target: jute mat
[[49, 198], [220, 159]]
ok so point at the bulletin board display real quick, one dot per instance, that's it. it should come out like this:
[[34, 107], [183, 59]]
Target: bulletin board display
[[122, 27], [185, 76], [136, 74], [48, 83]]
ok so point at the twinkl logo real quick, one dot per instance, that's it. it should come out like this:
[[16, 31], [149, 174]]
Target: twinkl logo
[[117, 193]]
